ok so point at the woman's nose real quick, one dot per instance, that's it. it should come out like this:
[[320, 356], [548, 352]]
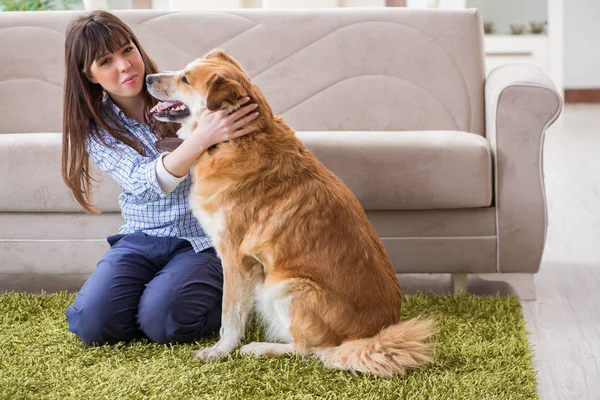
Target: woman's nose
[[124, 65]]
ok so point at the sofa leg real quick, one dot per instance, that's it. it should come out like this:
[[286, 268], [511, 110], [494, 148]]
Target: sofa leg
[[522, 284], [459, 283]]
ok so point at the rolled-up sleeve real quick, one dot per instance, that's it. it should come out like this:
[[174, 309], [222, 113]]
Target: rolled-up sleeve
[[168, 182], [135, 173]]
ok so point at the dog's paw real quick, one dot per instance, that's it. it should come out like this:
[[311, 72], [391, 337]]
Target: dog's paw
[[252, 348], [209, 353], [268, 349], [223, 346]]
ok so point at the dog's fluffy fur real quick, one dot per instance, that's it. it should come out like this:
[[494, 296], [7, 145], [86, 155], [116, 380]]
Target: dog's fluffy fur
[[294, 240]]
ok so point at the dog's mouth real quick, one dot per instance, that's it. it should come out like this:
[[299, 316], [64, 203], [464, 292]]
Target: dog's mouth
[[170, 109]]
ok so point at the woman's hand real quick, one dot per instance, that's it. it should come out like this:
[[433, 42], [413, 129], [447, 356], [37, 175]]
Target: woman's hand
[[212, 128], [218, 126]]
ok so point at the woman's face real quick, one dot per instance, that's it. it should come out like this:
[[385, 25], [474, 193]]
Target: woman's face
[[121, 73]]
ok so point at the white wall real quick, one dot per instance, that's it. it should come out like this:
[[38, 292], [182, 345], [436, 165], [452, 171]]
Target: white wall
[[581, 45], [362, 3], [118, 4], [160, 4]]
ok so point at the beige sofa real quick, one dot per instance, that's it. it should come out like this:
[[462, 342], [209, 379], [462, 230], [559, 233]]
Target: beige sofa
[[446, 161]]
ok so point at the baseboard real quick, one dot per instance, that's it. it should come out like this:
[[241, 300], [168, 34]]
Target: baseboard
[[582, 95]]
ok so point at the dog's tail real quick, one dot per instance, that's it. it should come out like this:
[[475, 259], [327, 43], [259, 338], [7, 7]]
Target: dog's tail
[[392, 351]]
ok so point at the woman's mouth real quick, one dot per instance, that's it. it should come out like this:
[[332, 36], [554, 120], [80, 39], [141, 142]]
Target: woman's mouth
[[130, 80]]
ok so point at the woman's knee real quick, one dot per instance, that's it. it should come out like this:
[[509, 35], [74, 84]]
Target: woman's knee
[[91, 326], [176, 319], [106, 306], [95, 322]]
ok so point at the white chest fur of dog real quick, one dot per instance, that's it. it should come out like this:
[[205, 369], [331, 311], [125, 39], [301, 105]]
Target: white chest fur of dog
[[185, 131], [273, 307], [213, 224]]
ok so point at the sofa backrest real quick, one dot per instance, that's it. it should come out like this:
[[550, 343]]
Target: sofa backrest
[[350, 69]]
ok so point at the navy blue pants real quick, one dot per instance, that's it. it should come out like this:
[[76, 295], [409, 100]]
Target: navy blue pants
[[153, 287]]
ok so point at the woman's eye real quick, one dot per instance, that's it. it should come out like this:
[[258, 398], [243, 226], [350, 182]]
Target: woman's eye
[[184, 80], [128, 50], [105, 61]]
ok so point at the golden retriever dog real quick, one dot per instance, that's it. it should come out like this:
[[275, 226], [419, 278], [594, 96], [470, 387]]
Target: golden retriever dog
[[295, 243]]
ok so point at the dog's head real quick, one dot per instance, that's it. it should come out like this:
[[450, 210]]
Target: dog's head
[[215, 82]]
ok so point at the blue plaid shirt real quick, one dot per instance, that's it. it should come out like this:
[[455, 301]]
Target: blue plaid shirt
[[144, 205]]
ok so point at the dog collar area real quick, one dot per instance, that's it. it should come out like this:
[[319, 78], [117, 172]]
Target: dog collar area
[[168, 144]]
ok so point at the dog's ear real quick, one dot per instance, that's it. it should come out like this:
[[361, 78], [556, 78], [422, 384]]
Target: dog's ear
[[222, 55], [223, 92]]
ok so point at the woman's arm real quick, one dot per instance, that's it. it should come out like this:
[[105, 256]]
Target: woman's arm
[[211, 128]]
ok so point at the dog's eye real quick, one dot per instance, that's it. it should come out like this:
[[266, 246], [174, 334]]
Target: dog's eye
[[184, 80]]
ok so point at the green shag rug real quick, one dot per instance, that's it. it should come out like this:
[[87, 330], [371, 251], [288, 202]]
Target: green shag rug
[[482, 353]]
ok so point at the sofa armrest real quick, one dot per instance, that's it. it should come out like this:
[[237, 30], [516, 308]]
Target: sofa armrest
[[521, 102]]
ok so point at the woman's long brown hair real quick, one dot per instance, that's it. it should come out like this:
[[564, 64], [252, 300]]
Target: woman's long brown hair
[[84, 117]]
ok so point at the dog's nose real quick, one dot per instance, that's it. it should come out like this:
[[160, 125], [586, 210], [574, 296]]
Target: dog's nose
[[149, 79]]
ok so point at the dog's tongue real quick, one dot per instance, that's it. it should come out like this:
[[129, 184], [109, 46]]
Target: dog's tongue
[[162, 105]]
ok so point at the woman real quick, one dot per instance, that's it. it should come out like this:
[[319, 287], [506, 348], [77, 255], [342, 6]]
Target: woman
[[161, 278]]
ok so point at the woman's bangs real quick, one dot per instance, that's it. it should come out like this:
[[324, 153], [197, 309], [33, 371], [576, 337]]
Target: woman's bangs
[[101, 40]]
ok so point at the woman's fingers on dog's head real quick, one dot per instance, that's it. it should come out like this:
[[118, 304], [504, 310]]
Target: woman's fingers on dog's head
[[221, 114], [242, 100], [242, 111]]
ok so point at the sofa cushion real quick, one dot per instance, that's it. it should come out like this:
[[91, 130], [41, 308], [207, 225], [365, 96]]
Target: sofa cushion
[[385, 170], [31, 179], [411, 170]]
